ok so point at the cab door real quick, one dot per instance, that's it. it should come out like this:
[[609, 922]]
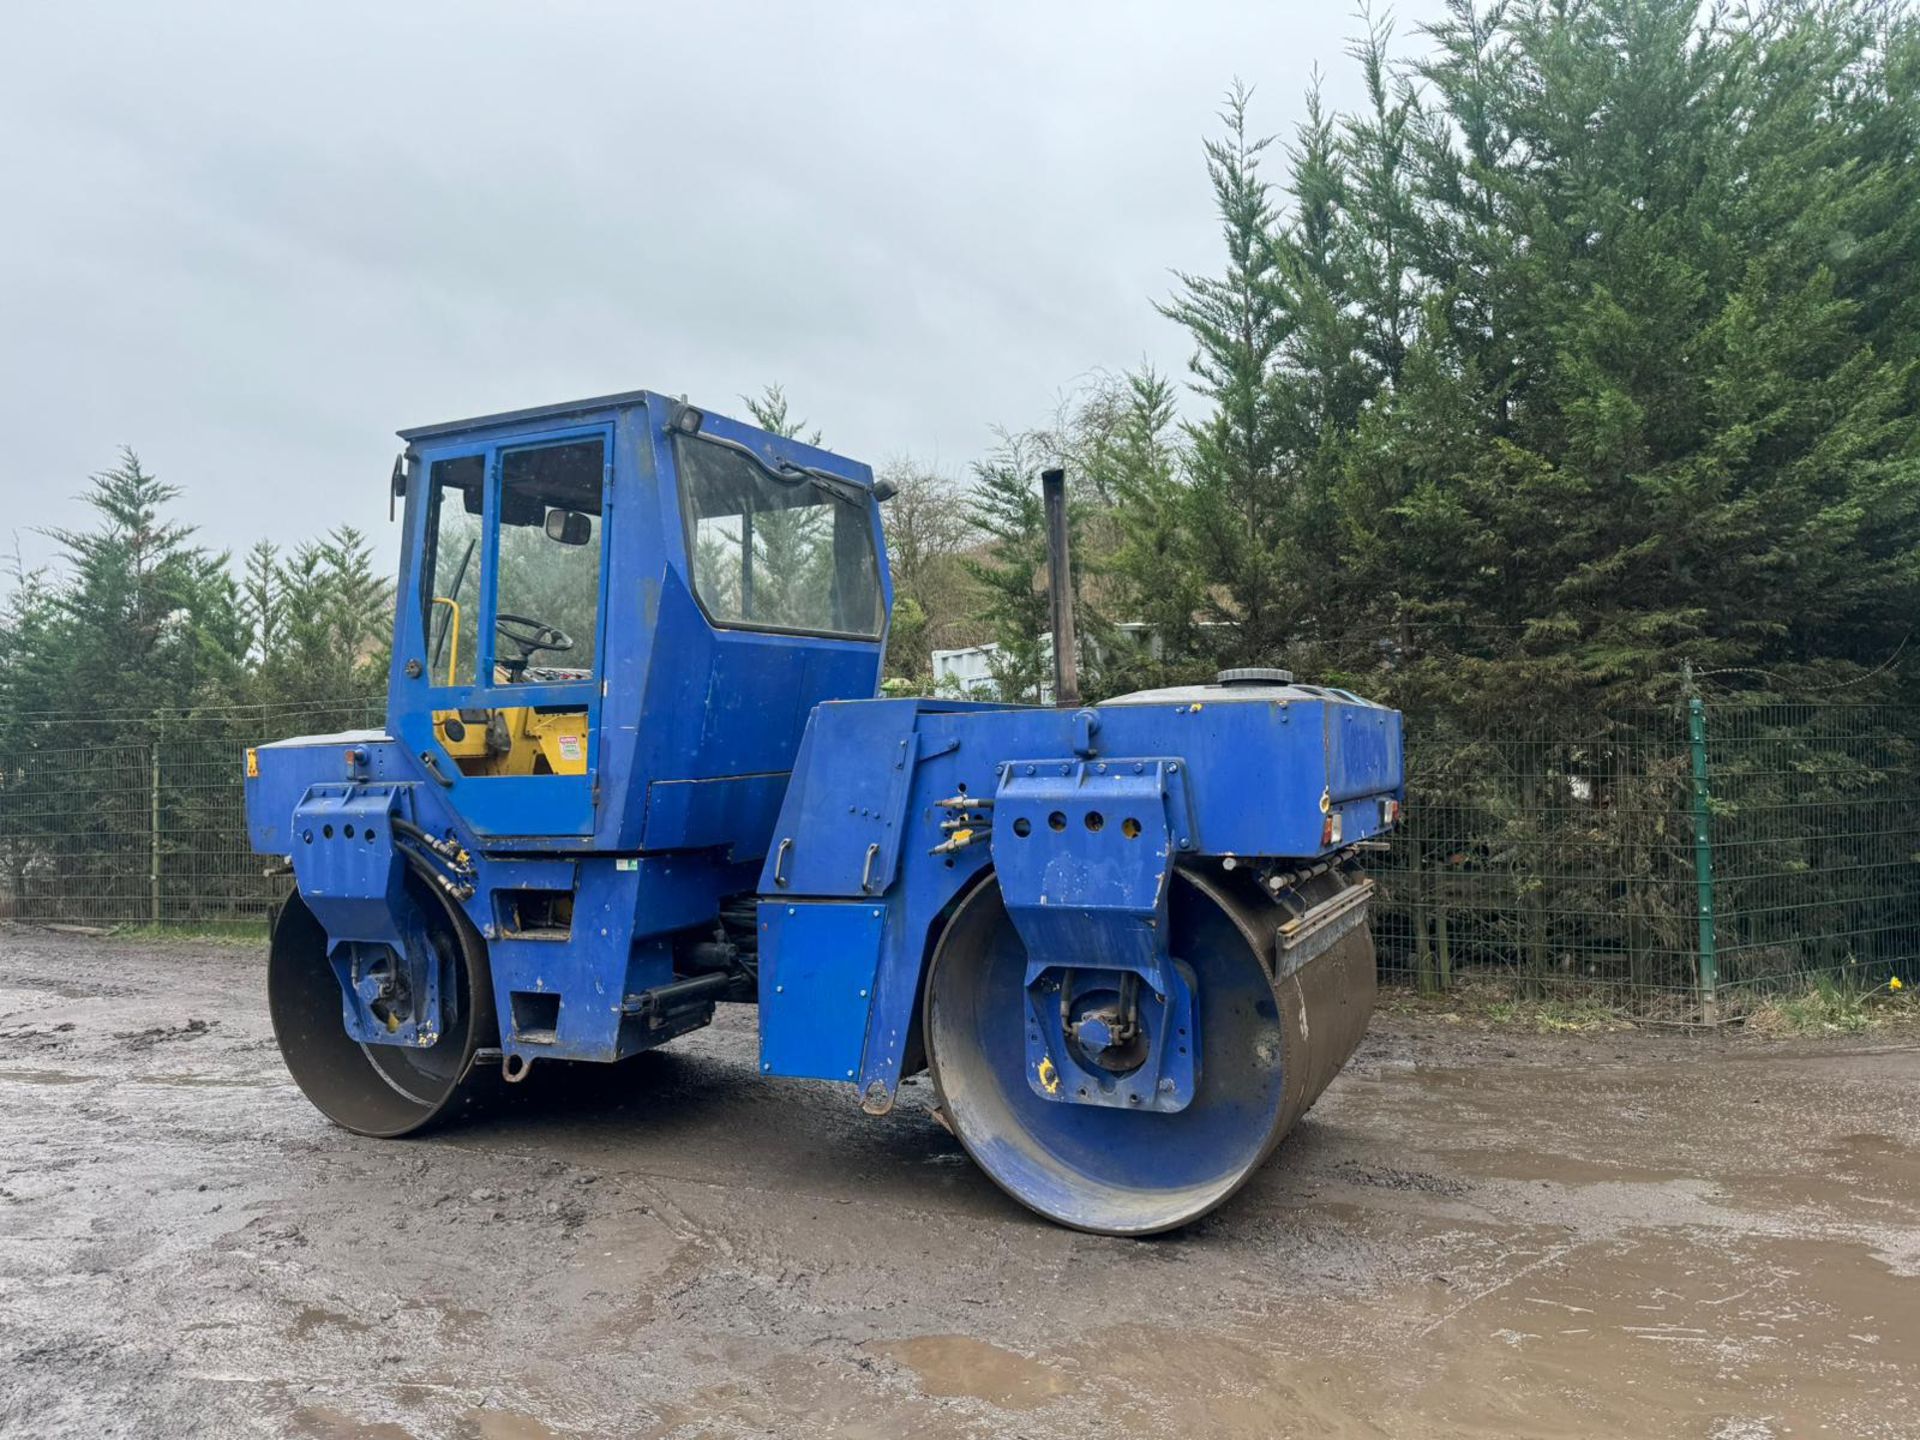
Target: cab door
[[508, 608]]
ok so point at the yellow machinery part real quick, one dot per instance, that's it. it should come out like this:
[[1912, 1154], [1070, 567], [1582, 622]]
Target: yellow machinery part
[[550, 743], [464, 740], [562, 738], [538, 743]]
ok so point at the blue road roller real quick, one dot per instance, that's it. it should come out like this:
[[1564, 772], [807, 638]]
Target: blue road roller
[[633, 767]]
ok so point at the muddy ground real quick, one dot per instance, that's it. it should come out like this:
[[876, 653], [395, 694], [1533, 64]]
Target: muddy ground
[[1472, 1234]]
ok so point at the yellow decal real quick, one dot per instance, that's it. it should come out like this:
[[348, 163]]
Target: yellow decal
[[253, 764], [1049, 1076]]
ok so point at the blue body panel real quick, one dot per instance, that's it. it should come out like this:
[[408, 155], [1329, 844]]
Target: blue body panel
[[725, 762], [1251, 781], [821, 956]]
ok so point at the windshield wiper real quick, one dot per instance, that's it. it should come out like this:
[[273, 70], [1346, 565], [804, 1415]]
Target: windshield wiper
[[837, 486], [852, 492]]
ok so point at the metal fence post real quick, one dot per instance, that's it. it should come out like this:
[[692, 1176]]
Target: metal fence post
[[153, 832], [1709, 964]]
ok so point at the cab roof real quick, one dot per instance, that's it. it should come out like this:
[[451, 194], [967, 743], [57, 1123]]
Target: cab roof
[[561, 410]]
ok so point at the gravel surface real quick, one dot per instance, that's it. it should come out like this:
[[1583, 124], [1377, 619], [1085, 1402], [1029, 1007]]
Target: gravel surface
[[1473, 1233]]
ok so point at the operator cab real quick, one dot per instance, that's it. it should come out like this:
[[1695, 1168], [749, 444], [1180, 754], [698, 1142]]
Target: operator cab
[[566, 562]]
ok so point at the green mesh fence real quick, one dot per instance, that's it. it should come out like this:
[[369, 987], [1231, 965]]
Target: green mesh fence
[[1814, 832], [1675, 862], [110, 819]]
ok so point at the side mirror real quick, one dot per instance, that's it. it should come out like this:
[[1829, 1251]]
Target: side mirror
[[396, 485], [569, 527]]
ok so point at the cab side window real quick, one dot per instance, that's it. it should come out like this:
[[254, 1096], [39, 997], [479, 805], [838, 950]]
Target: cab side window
[[776, 553], [450, 586]]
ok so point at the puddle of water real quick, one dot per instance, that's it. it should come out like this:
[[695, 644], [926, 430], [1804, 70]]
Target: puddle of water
[[957, 1365], [1799, 1332], [323, 1422], [46, 1077], [1851, 1146], [67, 1077], [1530, 1165], [313, 1319], [1867, 1177], [791, 1396], [505, 1425], [1649, 1334], [221, 1082], [1204, 1385]]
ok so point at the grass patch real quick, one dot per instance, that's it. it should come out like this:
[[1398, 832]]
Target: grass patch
[[1827, 1004], [1498, 1004], [1834, 1007], [252, 934]]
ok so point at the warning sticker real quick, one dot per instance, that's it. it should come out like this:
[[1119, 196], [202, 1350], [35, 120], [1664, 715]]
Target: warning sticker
[[569, 747]]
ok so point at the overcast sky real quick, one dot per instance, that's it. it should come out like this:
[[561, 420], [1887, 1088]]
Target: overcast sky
[[252, 240]]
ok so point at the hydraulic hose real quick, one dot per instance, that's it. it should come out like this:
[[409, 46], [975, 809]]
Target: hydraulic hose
[[417, 862]]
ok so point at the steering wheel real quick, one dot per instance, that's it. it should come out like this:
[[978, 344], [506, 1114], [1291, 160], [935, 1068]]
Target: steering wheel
[[530, 635]]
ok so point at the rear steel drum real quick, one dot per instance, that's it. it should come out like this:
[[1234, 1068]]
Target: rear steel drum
[[1280, 1008]]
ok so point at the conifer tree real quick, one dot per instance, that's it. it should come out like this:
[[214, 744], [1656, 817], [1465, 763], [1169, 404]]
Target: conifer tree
[[146, 619], [1012, 575], [1241, 486]]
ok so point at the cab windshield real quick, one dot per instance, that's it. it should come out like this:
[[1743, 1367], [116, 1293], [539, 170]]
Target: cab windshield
[[775, 553]]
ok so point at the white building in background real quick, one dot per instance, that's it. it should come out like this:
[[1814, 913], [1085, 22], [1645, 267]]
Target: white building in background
[[968, 672]]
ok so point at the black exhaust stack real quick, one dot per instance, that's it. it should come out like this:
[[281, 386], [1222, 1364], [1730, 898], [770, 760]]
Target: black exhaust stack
[[1066, 664]]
